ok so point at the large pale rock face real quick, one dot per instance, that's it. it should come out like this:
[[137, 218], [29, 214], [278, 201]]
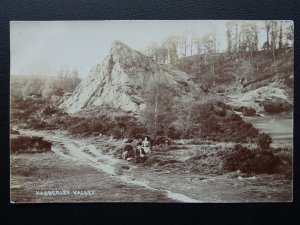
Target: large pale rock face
[[121, 78]]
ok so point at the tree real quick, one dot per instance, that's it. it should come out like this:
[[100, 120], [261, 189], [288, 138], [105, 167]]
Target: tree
[[151, 50], [236, 37], [274, 34], [184, 44], [184, 108], [74, 80], [162, 54], [49, 88], [249, 38], [255, 31], [289, 34], [280, 44], [194, 41], [229, 31], [208, 43], [267, 27], [33, 86], [158, 98], [66, 80], [198, 44], [171, 44], [214, 40]]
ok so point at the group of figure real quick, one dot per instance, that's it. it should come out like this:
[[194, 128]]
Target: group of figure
[[142, 149]]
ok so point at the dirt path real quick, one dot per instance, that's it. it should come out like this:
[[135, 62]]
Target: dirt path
[[81, 164], [87, 154]]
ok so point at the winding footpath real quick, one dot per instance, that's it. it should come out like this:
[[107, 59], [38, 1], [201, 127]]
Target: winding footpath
[[89, 154]]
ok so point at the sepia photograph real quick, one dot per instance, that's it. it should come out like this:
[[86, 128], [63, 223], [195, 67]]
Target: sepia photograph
[[176, 111]]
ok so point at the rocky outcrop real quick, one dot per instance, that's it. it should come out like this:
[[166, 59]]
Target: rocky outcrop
[[122, 78], [266, 99]]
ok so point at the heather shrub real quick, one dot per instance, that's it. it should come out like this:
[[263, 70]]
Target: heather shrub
[[250, 160], [277, 106], [24, 144], [49, 111], [264, 141]]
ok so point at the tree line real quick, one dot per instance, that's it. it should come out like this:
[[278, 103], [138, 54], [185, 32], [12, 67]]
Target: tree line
[[45, 86], [241, 37]]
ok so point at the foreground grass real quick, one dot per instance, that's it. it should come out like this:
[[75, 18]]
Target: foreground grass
[[47, 171], [178, 169]]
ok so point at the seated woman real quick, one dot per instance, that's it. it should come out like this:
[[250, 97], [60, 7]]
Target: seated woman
[[144, 147], [139, 150], [128, 153]]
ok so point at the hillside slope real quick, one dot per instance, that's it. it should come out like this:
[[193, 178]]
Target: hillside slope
[[261, 80], [226, 70]]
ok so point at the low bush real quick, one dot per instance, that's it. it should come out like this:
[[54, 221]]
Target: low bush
[[161, 148], [152, 160], [119, 127], [173, 133], [217, 121], [234, 117], [264, 141], [250, 160], [37, 124], [25, 144], [249, 112], [161, 140], [49, 111], [137, 131], [19, 114], [284, 154], [167, 162], [277, 106]]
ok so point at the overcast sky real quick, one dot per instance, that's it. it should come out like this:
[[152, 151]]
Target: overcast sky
[[47, 47]]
